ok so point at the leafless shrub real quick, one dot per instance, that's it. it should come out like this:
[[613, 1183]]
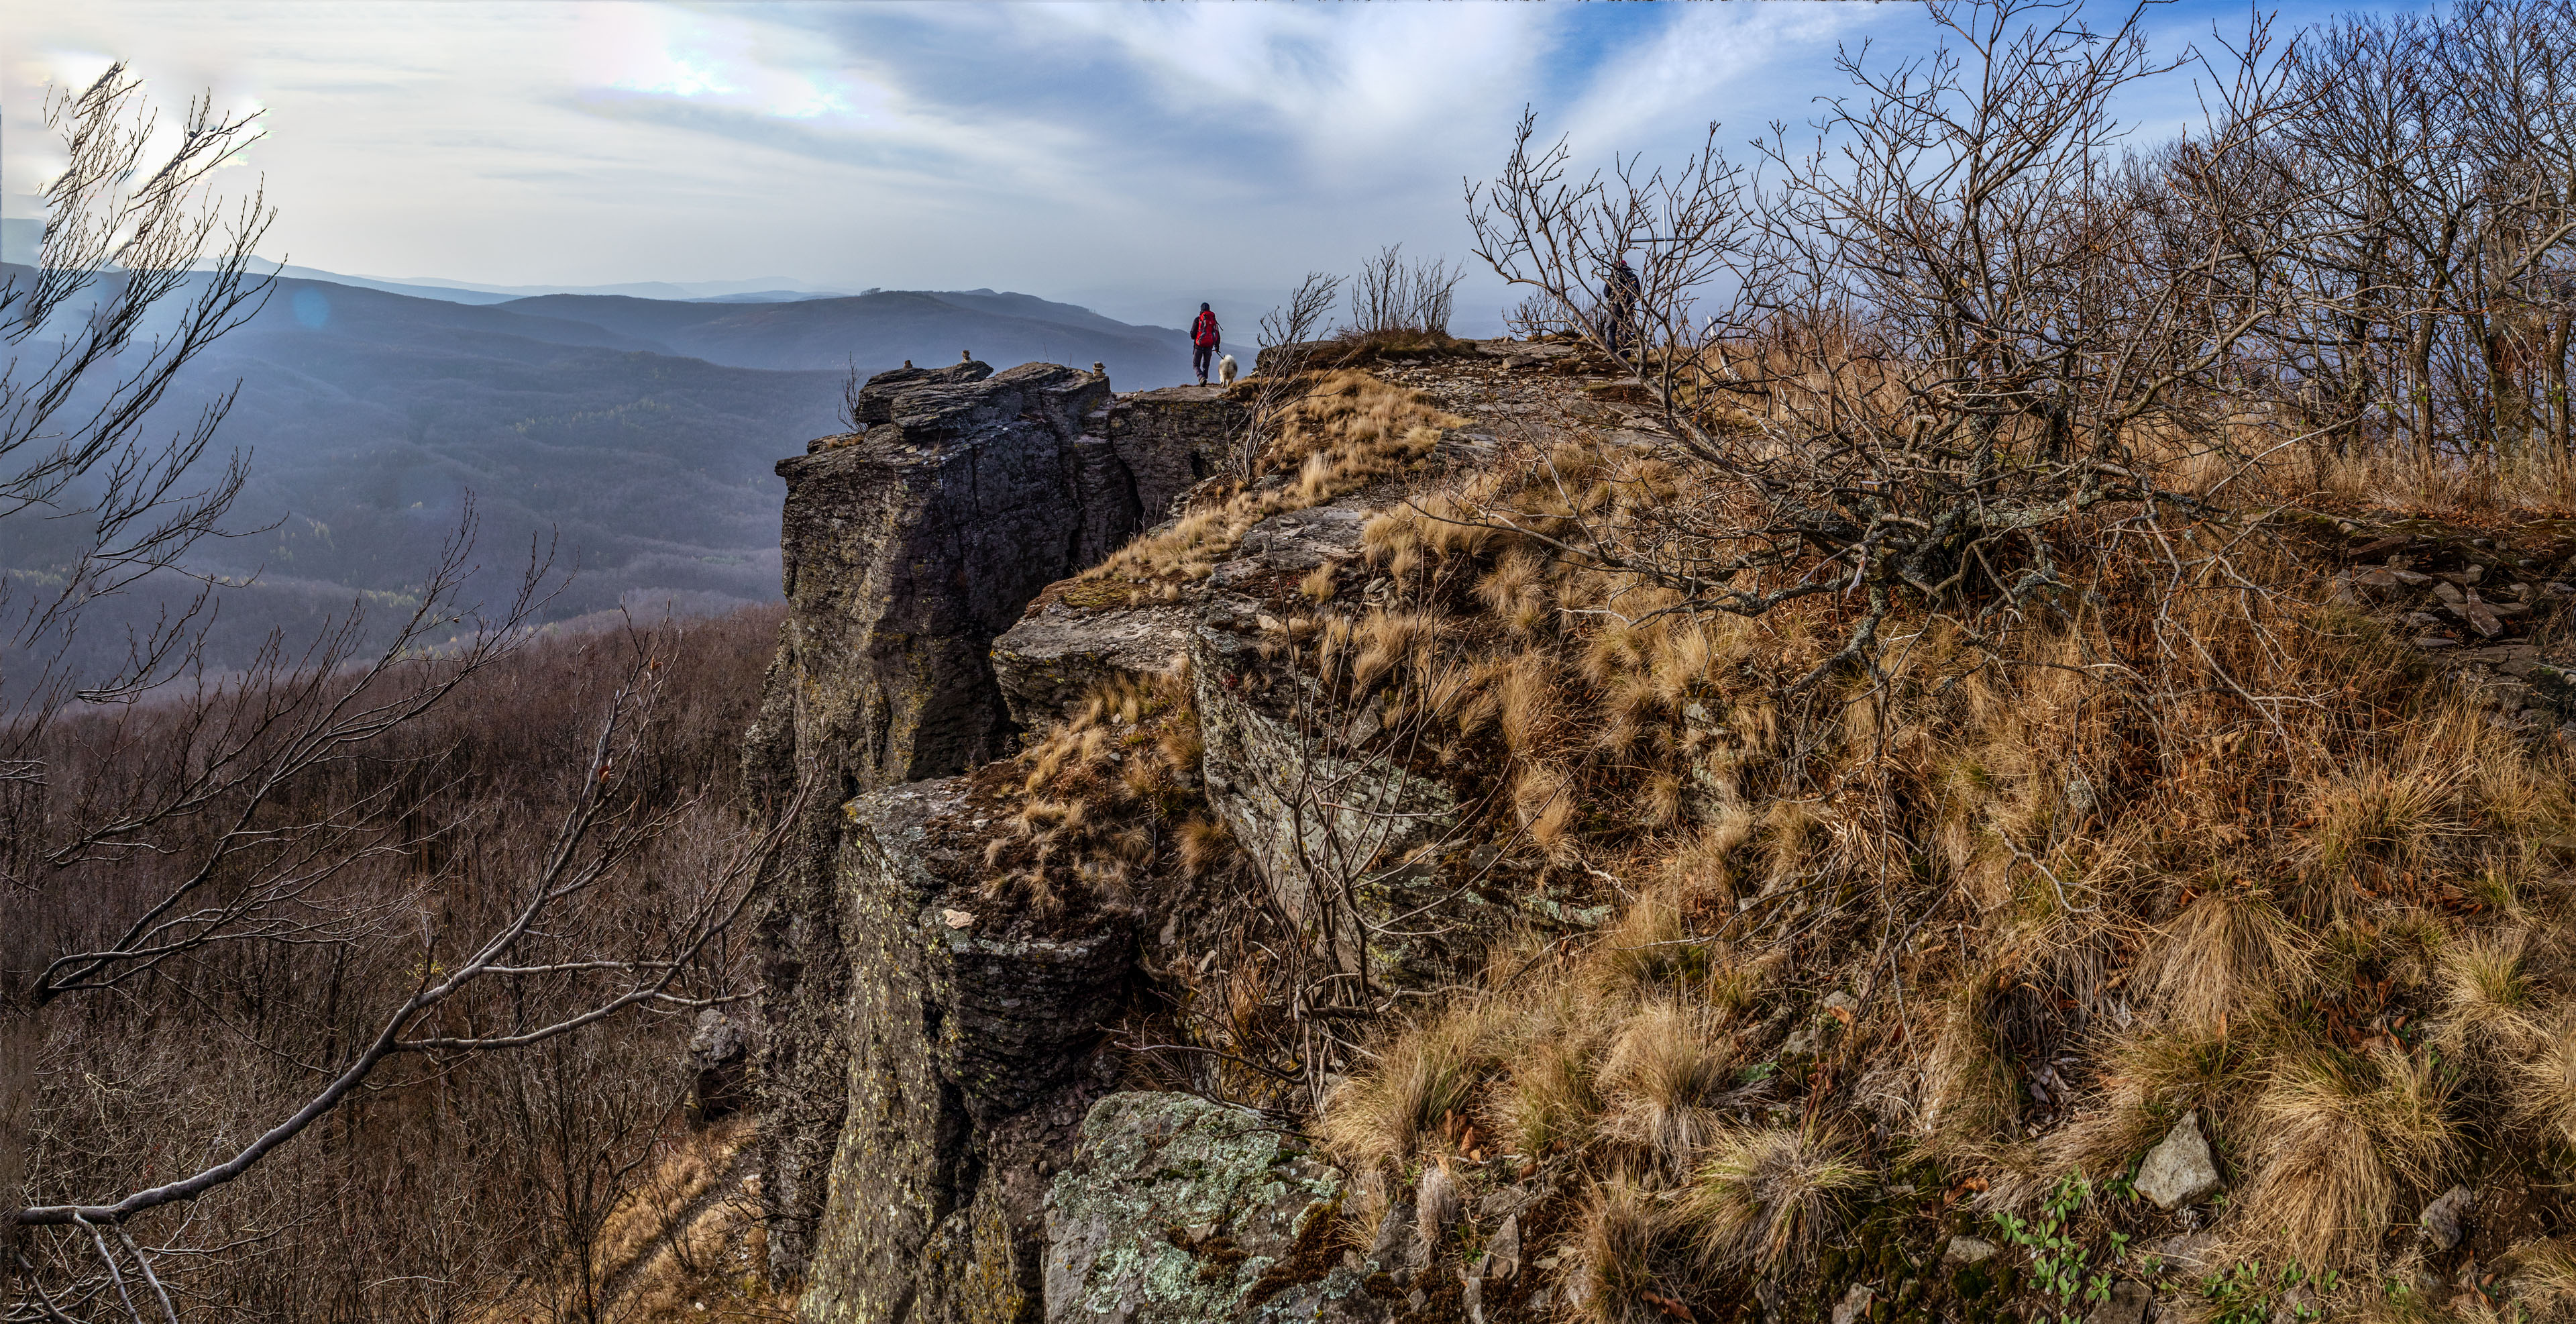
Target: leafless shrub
[[1392, 295], [1536, 316], [1955, 335], [1288, 334]]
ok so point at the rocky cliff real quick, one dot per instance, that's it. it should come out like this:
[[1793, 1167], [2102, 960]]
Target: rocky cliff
[[1196, 827], [908, 546], [1610, 973]]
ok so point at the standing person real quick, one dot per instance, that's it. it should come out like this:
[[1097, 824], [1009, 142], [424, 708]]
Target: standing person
[[1204, 339], [1622, 294]]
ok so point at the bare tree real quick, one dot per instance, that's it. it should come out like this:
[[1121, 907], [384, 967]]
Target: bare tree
[[130, 249], [1963, 321], [1288, 336], [162, 822], [2451, 153]]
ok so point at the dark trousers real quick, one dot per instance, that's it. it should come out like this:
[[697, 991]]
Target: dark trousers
[[1619, 328], [1201, 357]]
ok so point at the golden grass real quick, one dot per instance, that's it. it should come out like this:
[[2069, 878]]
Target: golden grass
[[1349, 429], [2543, 1277], [1626, 1255], [2155, 1077], [2338, 1138], [1767, 1198], [1969, 1093], [1421, 1089], [1077, 831], [2231, 952], [2327, 922], [1550, 1103], [2488, 1000], [2545, 1081], [1666, 1065]]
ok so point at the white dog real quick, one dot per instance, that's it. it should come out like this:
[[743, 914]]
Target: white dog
[[1225, 370]]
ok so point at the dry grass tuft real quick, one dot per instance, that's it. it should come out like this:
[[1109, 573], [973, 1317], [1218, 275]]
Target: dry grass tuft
[[1087, 792], [1388, 643], [2542, 1275], [2545, 1081], [2487, 995], [1632, 1269], [2230, 952], [1423, 1085], [1766, 1199], [1550, 1104], [1666, 1066], [2338, 1139], [1969, 1096]]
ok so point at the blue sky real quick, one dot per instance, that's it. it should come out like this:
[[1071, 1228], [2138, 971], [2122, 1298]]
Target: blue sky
[[1127, 156]]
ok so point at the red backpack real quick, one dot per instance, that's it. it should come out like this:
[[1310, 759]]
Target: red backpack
[[1203, 331]]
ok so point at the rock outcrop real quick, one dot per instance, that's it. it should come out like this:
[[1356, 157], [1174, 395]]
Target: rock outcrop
[[908, 546], [1176, 1210], [1298, 781], [719, 1051], [933, 1036], [968, 1056], [1171, 438]]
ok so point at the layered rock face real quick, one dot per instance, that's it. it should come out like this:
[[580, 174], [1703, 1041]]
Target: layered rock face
[[1172, 438], [967, 1072], [933, 1048], [908, 546]]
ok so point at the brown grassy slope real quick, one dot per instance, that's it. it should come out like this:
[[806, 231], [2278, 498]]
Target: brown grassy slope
[[2214, 846], [1345, 430]]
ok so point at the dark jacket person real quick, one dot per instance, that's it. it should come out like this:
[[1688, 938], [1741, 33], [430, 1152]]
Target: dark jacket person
[[1204, 339]]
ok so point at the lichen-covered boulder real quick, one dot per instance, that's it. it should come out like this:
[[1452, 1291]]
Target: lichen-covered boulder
[[1177, 1210], [718, 1052]]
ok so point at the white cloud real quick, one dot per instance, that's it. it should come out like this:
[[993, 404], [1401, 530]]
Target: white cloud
[[1043, 147], [1744, 64]]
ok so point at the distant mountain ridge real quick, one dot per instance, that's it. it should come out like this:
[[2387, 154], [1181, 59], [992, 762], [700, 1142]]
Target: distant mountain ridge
[[882, 329], [642, 430], [21, 237]]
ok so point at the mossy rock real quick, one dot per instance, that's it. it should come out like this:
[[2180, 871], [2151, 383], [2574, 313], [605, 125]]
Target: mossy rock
[[1179, 1210]]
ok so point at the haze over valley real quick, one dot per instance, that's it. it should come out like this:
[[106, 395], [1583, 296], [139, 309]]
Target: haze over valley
[[635, 436]]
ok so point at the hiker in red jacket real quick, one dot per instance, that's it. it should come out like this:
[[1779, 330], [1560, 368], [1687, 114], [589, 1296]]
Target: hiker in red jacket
[[1204, 338]]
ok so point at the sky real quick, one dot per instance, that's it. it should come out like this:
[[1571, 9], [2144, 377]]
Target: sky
[[1133, 157]]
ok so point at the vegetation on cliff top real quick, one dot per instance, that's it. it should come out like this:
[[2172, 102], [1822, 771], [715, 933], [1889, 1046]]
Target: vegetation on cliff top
[[1960, 707]]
